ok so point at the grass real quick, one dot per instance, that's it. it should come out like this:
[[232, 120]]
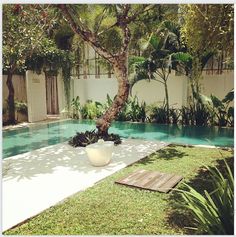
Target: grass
[[109, 208]]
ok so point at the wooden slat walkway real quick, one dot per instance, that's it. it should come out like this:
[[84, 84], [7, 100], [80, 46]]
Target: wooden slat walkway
[[151, 180]]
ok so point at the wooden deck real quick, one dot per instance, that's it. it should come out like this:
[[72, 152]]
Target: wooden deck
[[151, 180]]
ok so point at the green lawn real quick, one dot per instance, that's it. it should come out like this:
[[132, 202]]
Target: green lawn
[[109, 208]]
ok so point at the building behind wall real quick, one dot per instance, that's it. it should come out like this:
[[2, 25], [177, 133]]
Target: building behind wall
[[92, 83], [93, 79]]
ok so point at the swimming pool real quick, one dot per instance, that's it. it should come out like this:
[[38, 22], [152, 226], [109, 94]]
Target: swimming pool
[[30, 138]]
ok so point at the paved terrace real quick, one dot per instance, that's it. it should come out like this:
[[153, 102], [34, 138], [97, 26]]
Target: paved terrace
[[37, 180]]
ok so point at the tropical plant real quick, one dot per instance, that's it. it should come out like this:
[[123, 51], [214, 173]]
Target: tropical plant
[[158, 114], [91, 110], [93, 22], [85, 138], [206, 29], [175, 115], [192, 66], [21, 107], [208, 26], [186, 116], [156, 63], [200, 113], [108, 102], [24, 27], [76, 107], [132, 110], [213, 212], [222, 114]]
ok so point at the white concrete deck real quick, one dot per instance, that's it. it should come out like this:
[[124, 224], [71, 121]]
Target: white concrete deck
[[36, 180]]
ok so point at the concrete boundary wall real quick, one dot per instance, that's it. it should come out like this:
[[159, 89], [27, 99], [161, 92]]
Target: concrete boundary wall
[[19, 87], [153, 91], [218, 84], [36, 94], [32, 89]]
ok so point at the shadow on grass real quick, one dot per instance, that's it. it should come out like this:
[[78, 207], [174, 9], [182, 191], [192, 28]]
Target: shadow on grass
[[180, 217], [171, 153], [168, 153]]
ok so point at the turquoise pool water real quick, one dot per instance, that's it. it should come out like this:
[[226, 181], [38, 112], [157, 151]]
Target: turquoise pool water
[[26, 139]]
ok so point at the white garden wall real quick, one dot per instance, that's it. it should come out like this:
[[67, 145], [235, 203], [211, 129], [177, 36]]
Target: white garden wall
[[36, 94], [218, 84], [33, 89], [95, 89], [19, 86], [153, 91]]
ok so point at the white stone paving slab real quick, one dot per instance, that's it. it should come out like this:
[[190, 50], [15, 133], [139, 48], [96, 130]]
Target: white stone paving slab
[[37, 180]]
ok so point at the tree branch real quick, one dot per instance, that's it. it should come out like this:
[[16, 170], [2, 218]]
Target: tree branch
[[86, 35], [100, 20], [105, 30], [144, 9]]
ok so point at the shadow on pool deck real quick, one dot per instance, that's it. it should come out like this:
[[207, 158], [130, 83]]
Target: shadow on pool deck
[[34, 181], [47, 159]]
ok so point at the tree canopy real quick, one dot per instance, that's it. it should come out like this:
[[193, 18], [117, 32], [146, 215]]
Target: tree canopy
[[208, 26]]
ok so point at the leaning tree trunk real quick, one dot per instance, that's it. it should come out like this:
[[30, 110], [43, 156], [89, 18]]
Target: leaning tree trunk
[[121, 73], [10, 100]]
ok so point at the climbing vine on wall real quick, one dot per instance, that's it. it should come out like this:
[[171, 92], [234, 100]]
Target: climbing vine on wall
[[51, 59], [66, 72]]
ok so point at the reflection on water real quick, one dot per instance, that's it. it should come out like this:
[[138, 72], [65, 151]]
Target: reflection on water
[[27, 139]]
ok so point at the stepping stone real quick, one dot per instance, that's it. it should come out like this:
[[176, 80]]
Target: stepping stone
[[151, 180]]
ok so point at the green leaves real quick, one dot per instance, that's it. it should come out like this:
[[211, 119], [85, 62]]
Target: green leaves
[[207, 26], [76, 107], [22, 33], [221, 113], [89, 137], [213, 212], [182, 57], [155, 42], [229, 97]]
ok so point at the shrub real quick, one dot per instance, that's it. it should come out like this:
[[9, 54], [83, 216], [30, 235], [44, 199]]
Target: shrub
[[213, 212], [197, 114], [175, 115], [76, 107], [85, 138], [221, 113], [92, 110], [21, 107], [159, 114], [201, 114], [186, 116], [132, 110], [224, 115]]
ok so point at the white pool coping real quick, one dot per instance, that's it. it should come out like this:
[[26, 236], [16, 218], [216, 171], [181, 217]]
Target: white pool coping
[[37, 180]]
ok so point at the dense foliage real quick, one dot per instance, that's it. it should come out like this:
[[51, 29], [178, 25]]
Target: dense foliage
[[213, 212], [132, 110], [24, 27], [208, 26], [89, 137], [210, 111]]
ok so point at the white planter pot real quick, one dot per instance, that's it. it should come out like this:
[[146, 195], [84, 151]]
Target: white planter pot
[[100, 153]]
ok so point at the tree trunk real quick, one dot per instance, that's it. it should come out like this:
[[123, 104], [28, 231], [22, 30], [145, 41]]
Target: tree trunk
[[121, 73], [10, 100], [167, 102]]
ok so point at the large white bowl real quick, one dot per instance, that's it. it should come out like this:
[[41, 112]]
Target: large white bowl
[[100, 153]]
